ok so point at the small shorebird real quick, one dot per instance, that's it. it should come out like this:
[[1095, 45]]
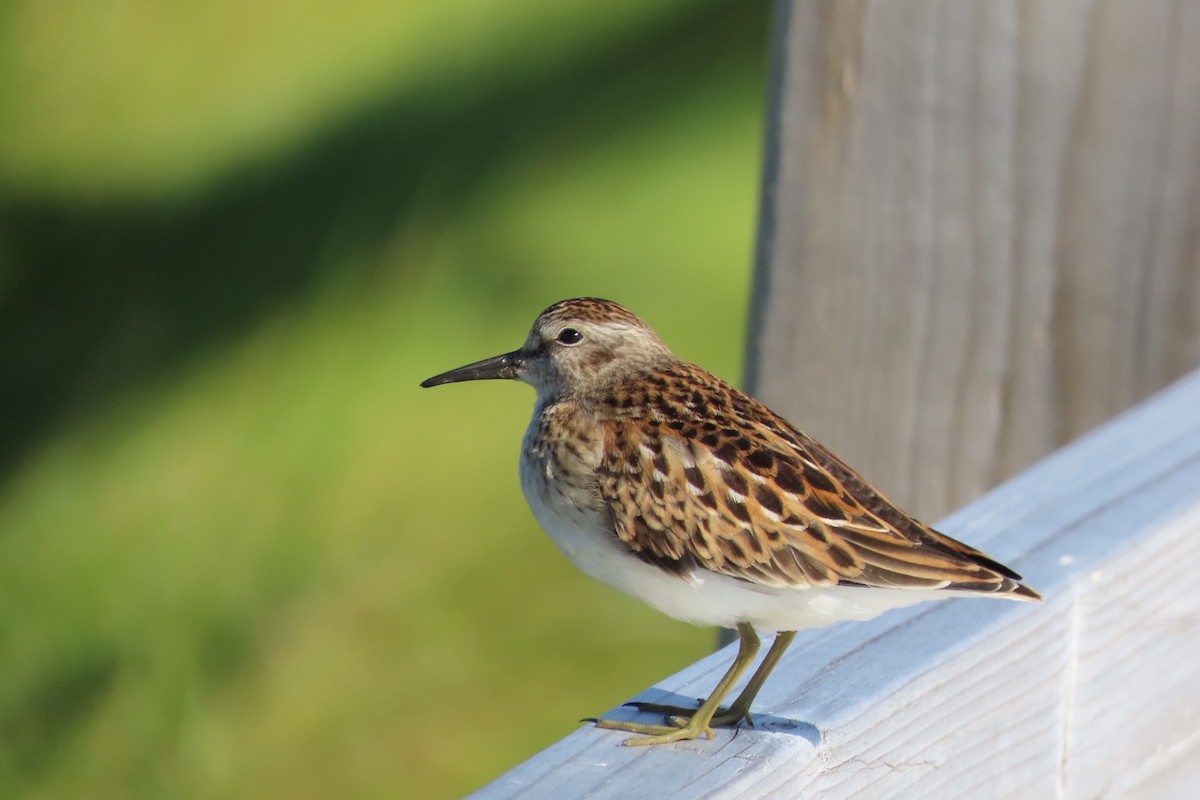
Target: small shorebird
[[663, 481]]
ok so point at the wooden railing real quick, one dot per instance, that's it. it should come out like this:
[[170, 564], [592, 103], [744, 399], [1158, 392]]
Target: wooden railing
[[1094, 692]]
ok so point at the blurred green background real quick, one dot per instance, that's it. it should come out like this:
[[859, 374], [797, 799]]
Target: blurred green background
[[241, 553]]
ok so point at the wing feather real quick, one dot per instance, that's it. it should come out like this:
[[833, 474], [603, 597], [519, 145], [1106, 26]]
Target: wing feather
[[757, 500]]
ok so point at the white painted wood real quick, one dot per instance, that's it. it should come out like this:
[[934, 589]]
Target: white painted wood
[[1095, 692], [980, 230]]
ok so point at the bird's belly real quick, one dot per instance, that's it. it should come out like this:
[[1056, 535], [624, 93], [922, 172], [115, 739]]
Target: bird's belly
[[701, 597]]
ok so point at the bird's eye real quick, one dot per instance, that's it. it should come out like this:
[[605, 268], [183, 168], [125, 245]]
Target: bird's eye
[[569, 336]]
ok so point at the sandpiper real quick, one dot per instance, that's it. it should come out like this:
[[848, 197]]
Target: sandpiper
[[663, 481]]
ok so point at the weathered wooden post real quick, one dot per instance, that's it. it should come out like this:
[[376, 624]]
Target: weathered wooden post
[[980, 229]]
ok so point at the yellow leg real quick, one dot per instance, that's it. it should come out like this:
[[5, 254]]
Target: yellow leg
[[741, 706], [697, 723], [740, 709]]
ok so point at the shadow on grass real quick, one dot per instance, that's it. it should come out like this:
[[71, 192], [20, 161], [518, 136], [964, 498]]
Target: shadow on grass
[[97, 297], [32, 725]]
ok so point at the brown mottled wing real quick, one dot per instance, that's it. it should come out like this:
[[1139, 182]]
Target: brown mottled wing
[[752, 498]]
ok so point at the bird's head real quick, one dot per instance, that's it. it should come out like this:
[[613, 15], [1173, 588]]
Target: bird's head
[[576, 348]]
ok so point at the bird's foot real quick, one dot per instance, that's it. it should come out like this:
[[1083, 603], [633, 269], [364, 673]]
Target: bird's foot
[[681, 728], [678, 716]]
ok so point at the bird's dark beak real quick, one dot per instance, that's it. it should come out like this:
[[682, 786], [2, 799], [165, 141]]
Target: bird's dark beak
[[503, 367]]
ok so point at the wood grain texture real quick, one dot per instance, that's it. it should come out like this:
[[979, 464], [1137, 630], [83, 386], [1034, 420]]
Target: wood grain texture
[[1091, 693], [980, 230]]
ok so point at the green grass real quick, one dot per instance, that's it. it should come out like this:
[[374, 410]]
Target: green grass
[[113, 96], [241, 553]]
